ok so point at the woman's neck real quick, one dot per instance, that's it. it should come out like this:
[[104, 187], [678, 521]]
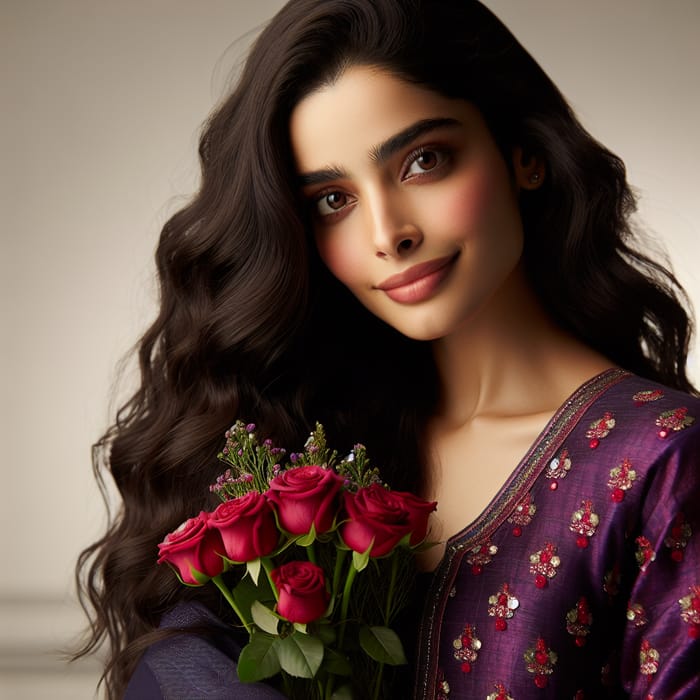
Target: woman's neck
[[510, 359]]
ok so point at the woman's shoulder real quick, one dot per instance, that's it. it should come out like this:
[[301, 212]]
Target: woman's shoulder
[[655, 417], [189, 665]]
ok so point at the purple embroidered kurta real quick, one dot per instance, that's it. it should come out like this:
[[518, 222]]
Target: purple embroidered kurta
[[582, 578]]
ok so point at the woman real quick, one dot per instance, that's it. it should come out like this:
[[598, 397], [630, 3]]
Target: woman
[[412, 157]]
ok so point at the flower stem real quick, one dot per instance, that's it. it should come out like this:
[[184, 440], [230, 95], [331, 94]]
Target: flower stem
[[378, 681], [219, 582], [390, 593], [345, 604], [267, 565], [387, 619], [311, 553], [338, 569]]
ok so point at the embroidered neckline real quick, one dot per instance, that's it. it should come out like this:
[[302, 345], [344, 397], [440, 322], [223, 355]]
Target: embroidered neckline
[[543, 449]]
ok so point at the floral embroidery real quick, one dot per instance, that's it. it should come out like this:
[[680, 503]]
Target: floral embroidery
[[578, 621], [558, 468], [443, 687], [523, 514], [645, 553], [621, 479], [544, 564], [636, 614], [677, 540], [540, 660], [673, 421], [467, 648], [648, 659], [690, 611], [481, 555], [500, 694], [642, 397], [584, 523], [502, 606], [600, 429]]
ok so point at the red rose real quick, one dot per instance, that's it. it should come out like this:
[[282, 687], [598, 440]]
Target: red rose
[[305, 495], [376, 513], [247, 526], [193, 546], [302, 590], [419, 511]]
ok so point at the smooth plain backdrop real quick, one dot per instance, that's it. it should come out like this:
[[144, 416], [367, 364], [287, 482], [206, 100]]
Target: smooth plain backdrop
[[101, 107]]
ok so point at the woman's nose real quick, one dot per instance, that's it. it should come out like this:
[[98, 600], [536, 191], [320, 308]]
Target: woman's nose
[[393, 232]]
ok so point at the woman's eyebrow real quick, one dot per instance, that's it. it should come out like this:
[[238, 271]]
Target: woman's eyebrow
[[384, 151], [381, 152]]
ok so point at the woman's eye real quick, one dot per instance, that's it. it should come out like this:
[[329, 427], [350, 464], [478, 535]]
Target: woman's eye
[[331, 203], [423, 162]]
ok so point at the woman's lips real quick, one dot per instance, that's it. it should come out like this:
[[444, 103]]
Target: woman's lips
[[418, 282]]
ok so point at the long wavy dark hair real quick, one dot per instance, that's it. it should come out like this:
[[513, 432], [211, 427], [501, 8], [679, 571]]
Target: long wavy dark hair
[[251, 325]]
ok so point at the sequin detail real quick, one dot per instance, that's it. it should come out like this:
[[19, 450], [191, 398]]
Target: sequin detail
[[621, 479], [648, 659], [636, 614], [600, 429], [540, 660], [522, 515], [502, 606], [466, 648], [481, 555], [500, 693], [645, 553], [690, 611], [584, 523], [544, 564], [443, 687], [673, 421], [647, 396], [578, 621], [558, 468], [678, 538]]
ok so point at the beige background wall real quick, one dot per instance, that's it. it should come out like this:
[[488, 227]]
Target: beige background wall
[[101, 103]]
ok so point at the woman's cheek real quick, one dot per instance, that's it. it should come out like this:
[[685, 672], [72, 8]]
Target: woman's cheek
[[471, 203], [341, 257]]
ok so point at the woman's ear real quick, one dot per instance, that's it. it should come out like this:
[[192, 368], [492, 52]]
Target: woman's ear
[[528, 170]]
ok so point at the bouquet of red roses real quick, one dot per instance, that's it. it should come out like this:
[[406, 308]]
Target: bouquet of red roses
[[315, 557]]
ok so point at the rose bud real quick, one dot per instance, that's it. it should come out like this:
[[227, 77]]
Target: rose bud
[[303, 496], [193, 546], [247, 527], [302, 591], [377, 514]]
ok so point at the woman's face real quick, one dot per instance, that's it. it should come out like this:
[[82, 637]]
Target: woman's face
[[413, 207]]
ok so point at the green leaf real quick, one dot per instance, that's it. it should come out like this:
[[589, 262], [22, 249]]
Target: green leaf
[[342, 693], [245, 593], [336, 663], [308, 539], [383, 645], [300, 655], [253, 568], [198, 576], [300, 627], [264, 618], [259, 658], [326, 633], [360, 561]]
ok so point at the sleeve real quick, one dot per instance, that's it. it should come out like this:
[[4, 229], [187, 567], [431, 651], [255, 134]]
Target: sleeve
[[143, 685], [661, 650], [187, 667]]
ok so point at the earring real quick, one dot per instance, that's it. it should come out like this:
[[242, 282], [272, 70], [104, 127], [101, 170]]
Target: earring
[[534, 178]]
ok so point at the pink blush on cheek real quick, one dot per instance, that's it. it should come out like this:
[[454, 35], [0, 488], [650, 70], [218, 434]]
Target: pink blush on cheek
[[475, 201], [343, 261]]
